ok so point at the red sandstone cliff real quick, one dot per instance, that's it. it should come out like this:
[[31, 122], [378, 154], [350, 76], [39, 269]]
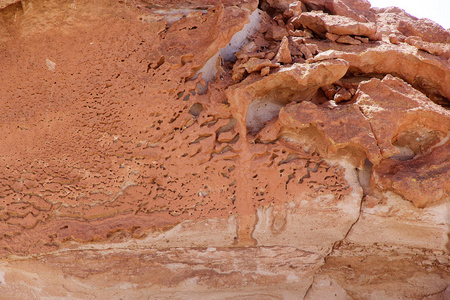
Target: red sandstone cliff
[[223, 149]]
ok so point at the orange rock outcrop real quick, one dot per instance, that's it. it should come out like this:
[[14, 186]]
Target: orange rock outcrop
[[232, 149]]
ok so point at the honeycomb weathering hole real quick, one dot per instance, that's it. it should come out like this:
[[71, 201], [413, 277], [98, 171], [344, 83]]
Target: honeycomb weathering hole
[[259, 112], [195, 109], [416, 140]]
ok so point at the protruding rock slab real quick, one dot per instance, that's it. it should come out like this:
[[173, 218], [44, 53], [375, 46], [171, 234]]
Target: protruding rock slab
[[392, 107], [439, 49], [321, 23], [423, 180], [421, 70], [344, 128], [428, 30], [355, 9], [295, 83], [384, 113]]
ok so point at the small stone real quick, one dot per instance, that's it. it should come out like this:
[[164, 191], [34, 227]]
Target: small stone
[[50, 65], [329, 91], [331, 36], [313, 48], [203, 193], [250, 47], [290, 27], [297, 33], [428, 30], [321, 23], [288, 13], [276, 33], [295, 21], [256, 64], [270, 55], [412, 40], [393, 39], [306, 52], [377, 36], [297, 41], [279, 19], [265, 71], [432, 48], [362, 39], [346, 39], [342, 95], [308, 34], [298, 60], [284, 55], [295, 51], [238, 71], [296, 8]]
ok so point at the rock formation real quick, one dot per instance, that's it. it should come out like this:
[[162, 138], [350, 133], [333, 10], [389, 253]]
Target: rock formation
[[223, 149]]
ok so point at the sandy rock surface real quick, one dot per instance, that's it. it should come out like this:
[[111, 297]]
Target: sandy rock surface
[[217, 150]]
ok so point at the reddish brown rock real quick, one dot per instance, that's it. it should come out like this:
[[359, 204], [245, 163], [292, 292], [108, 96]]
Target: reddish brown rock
[[338, 129], [417, 69], [276, 33], [355, 9], [426, 29], [346, 39], [362, 39], [439, 49], [312, 48], [265, 71], [394, 39], [358, 10], [247, 51], [256, 64], [392, 113], [342, 95], [321, 23], [116, 163], [329, 90], [332, 37], [253, 64], [298, 82], [305, 51], [424, 180], [393, 107], [295, 9], [284, 55]]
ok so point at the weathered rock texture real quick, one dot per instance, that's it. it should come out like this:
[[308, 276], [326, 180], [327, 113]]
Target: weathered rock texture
[[141, 159]]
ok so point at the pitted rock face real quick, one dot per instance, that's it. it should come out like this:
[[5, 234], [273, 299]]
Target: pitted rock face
[[318, 139]]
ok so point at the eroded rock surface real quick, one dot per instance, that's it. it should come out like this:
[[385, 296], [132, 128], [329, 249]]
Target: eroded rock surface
[[311, 163], [423, 180], [322, 23]]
